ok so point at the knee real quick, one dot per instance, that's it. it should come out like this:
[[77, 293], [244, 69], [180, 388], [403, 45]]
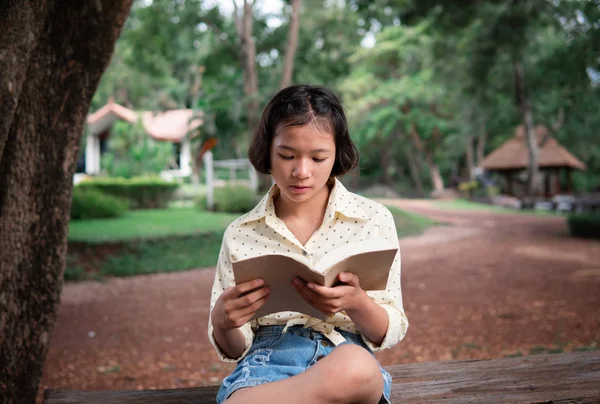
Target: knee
[[358, 371]]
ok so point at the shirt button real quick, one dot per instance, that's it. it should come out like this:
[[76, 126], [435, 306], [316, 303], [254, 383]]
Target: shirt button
[[304, 253]]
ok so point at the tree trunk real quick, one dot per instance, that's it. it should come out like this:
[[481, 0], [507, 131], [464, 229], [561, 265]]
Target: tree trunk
[[434, 171], [385, 159], [292, 44], [481, 141], [532, 144], [195, 136], [415, 172], [470, 157], [52, 57], [244, 24], [437, 182]]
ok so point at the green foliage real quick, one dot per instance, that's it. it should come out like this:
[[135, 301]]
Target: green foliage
[[586, 225], [132, 152], [95, 204], [143, 224], [141, 192], [231, 199], [457, 56]]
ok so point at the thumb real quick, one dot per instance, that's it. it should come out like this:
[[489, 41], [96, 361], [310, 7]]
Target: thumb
[[349, 278]]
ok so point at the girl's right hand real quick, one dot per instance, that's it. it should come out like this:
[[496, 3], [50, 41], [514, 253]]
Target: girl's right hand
[[236, 306]]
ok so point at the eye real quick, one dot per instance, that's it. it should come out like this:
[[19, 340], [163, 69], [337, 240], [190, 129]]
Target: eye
[[316, 160], [286, 157]]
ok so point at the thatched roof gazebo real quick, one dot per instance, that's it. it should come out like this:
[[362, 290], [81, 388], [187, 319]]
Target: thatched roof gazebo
[[512, 157]]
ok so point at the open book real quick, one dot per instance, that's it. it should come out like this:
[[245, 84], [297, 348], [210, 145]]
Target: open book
[[371, 260]]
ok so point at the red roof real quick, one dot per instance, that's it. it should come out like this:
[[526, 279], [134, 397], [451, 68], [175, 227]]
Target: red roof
[[172, 125]]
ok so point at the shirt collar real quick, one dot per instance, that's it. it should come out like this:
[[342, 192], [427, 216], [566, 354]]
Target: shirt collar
[[340, 201]]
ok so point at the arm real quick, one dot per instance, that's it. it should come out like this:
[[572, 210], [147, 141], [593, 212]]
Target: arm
[[228, 328], [390, 299]]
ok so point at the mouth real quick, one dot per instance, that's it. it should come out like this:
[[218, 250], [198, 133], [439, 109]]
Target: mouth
[[299, 188]]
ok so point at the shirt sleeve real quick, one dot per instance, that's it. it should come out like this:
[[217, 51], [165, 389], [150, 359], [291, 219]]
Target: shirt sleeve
[[223, 280], [391, 298]]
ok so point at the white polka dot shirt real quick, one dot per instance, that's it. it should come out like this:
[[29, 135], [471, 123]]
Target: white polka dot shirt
[[348, 218]]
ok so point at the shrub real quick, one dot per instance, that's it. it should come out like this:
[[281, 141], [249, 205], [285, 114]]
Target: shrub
[[94, 204], [585, 225], [231, 199], [141, 192]]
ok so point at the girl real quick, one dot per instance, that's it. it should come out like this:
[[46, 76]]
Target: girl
[[303, 142]]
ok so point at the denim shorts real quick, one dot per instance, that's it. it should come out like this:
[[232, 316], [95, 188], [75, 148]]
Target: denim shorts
[[275, 356]]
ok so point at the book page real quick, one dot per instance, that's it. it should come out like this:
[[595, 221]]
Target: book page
[[371, 260], [278, 272]]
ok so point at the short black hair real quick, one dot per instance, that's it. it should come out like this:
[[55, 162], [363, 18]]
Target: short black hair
[[298, 105]]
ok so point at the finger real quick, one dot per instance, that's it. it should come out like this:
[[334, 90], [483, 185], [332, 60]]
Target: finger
[[315, 300], [349, 278], [245, 287], [305, 293], [324, 291], [247, 312], [250, 298]]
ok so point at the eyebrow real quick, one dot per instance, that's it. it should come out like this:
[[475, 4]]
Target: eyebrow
[[322, 150]]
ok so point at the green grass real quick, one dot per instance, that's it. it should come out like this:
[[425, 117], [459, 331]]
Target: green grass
[[167, 255], [410, 224], [465, 205], [168, 240], [146, 224]]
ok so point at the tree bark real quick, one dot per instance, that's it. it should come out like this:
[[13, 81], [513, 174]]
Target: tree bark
[[292, 45], [195, 136], [470, 157], [51, 58], [437, 182], [532, 143], [415, 172], [481, 141], [244, 24], [436, 177]]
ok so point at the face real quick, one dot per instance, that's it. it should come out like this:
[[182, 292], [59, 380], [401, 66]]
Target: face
[[302, 158]]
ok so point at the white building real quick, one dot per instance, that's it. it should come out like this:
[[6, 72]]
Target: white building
[[168, 126]]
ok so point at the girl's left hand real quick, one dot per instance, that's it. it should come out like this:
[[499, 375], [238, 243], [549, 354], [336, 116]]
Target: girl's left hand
[[332, 300]]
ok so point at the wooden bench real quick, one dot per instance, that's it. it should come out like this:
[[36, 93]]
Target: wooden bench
[[572, 377]]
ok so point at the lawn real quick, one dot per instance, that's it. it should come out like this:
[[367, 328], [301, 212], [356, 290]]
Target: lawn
[[147, 224], [174, 239], [409, 224]]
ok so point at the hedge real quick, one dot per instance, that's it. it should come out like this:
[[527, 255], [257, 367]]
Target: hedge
[[141, 192], [586, 225]]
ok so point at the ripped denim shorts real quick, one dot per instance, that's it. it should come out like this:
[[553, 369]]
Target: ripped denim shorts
[[275, 356]]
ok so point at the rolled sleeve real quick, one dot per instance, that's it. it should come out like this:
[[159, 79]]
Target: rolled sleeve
[[391, 298], [224, 279]]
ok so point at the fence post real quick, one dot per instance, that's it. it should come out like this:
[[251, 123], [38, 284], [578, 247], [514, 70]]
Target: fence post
[[208, 171], [253, 178]]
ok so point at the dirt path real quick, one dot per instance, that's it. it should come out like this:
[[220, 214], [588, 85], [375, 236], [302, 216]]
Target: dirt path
[[488, 286]]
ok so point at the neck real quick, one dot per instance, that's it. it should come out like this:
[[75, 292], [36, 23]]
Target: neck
[[313, 207]]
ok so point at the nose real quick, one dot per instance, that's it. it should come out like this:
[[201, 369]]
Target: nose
[[302, 169]]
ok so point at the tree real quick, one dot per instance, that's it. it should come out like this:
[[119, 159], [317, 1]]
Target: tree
[[51, 61], [292, 45], [397, 102]]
